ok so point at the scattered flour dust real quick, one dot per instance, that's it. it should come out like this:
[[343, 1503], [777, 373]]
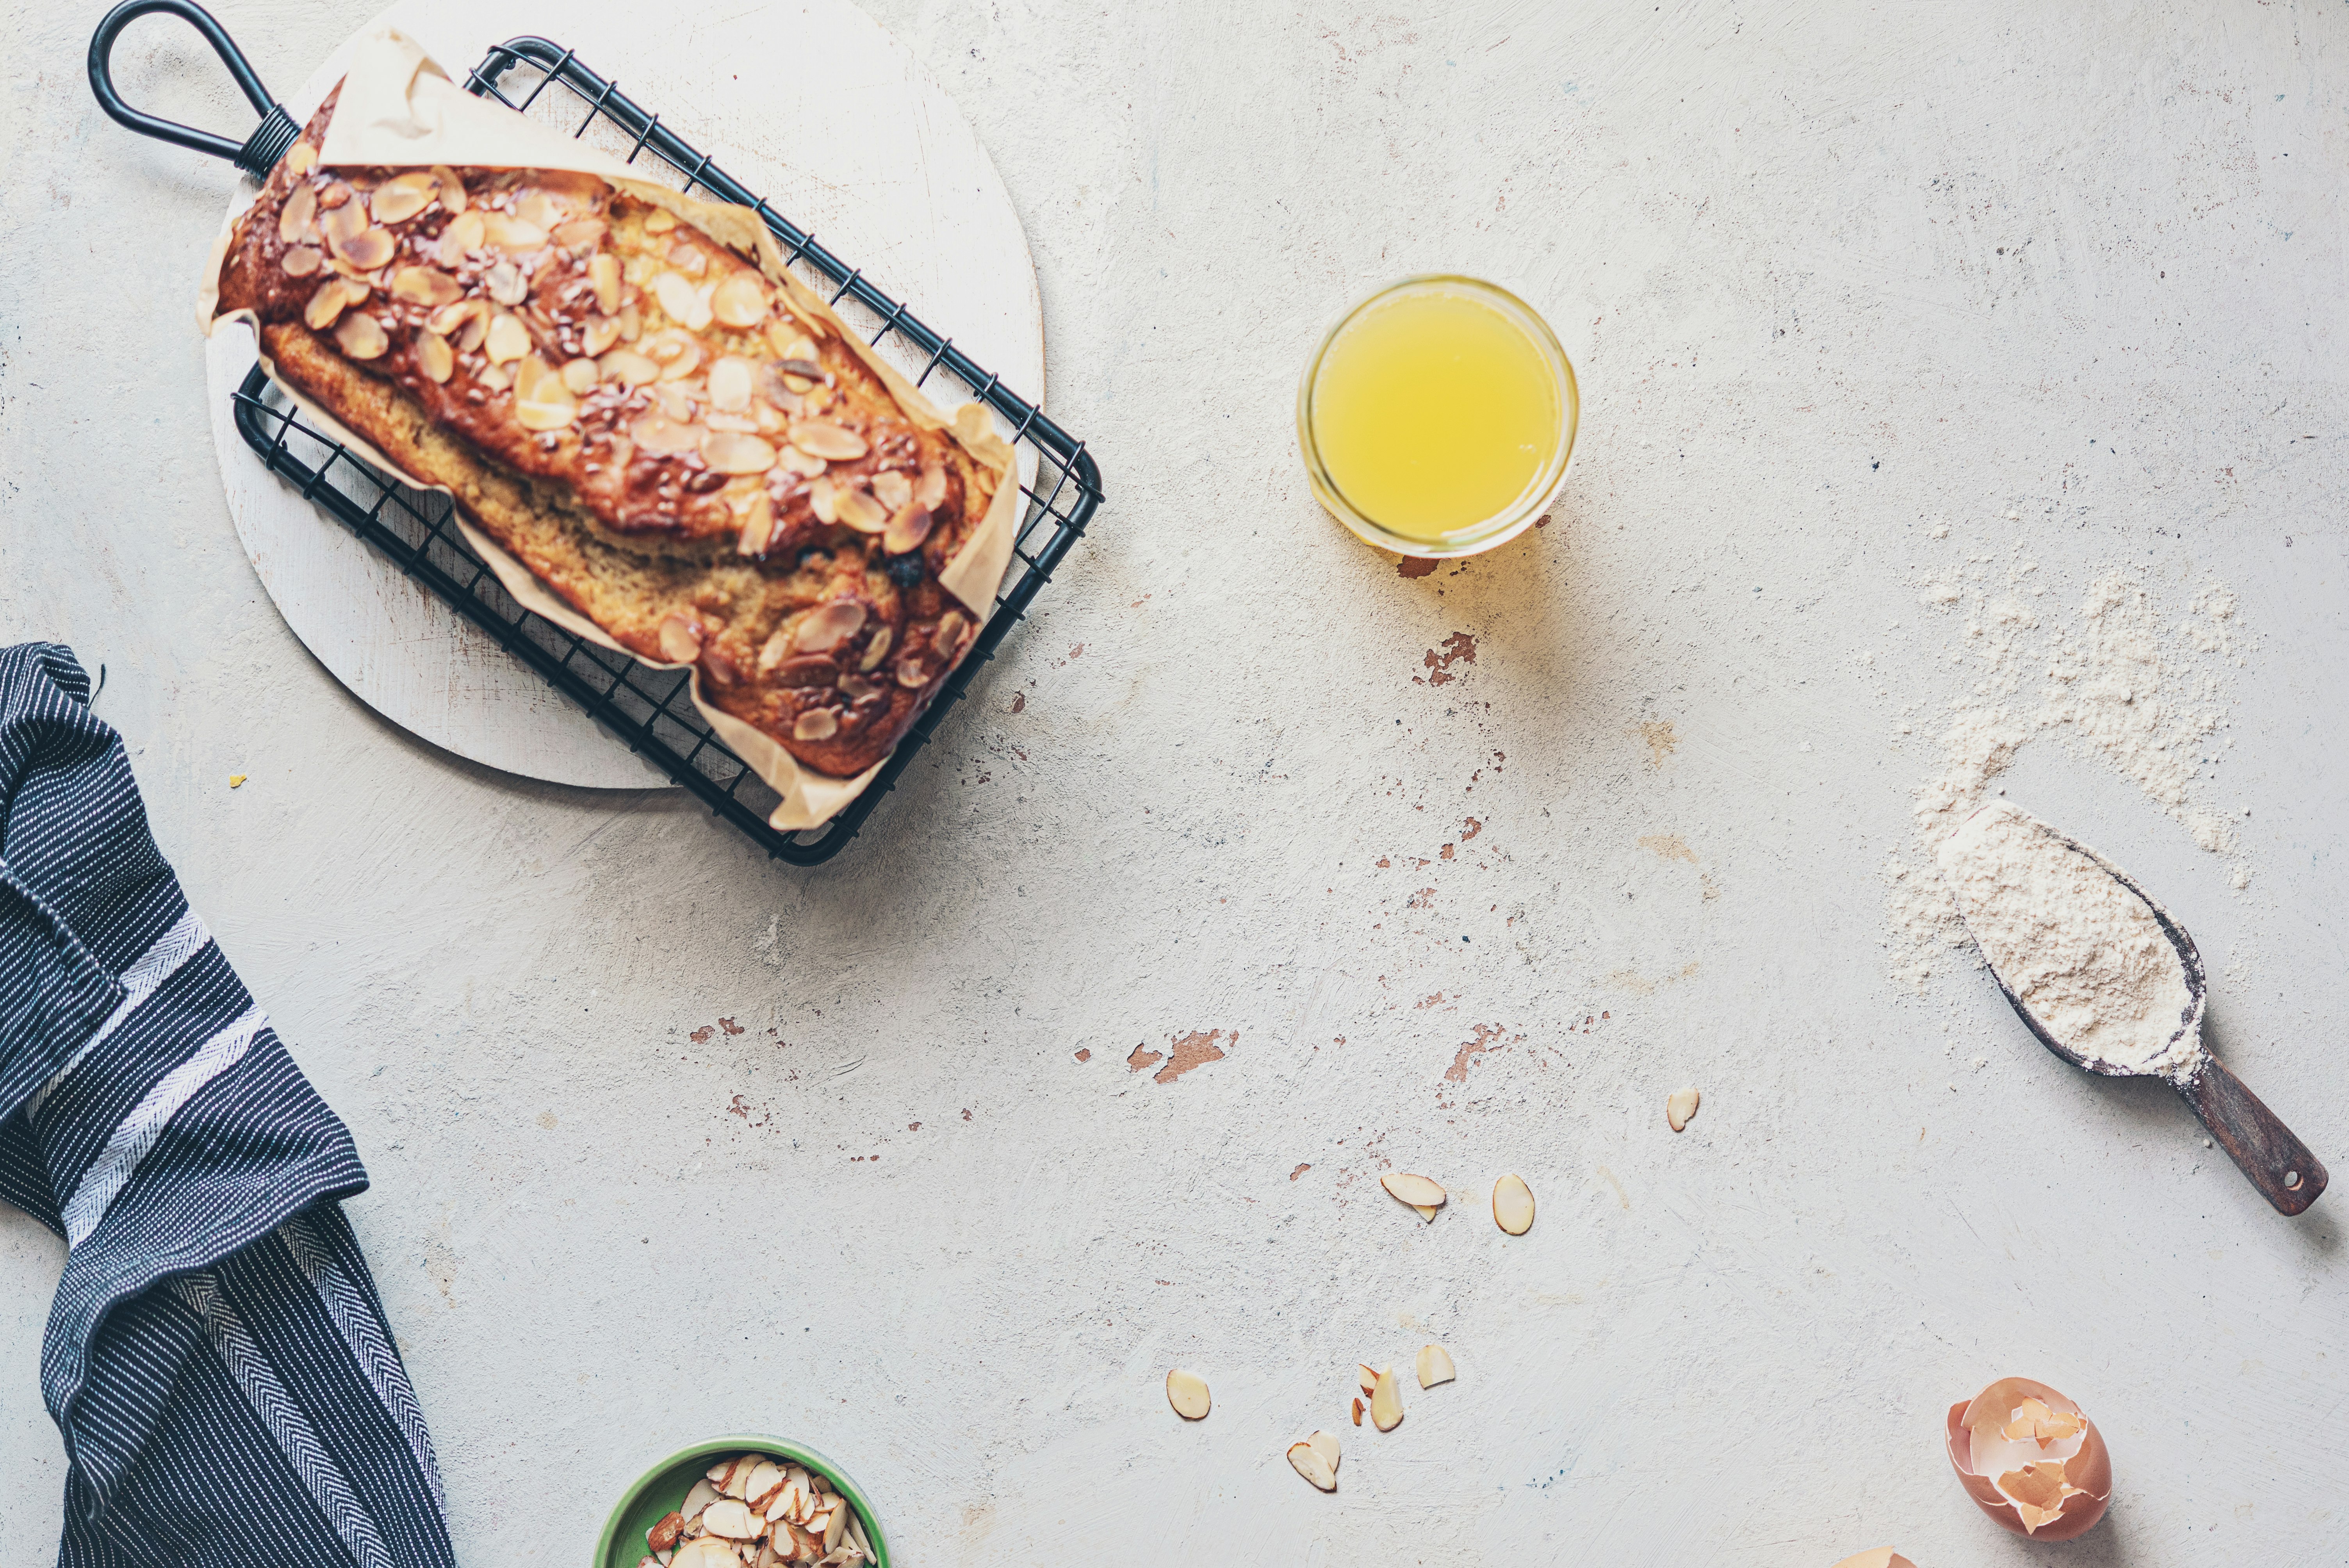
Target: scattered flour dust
[[2080, 950], [2112, 682]]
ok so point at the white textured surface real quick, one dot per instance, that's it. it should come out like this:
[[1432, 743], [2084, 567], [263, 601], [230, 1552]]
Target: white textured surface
[[871, 158], [1829, 271]]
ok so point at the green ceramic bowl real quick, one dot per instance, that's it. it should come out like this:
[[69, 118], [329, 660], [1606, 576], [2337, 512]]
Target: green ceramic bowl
[[663, 1487]]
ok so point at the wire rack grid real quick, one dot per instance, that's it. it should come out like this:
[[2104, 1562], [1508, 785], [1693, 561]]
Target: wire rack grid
[[652, 709]]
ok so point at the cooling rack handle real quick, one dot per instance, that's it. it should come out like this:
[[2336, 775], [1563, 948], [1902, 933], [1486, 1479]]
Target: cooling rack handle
[[258, 153]]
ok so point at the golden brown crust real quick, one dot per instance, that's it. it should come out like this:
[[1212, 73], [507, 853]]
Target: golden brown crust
[[630, 409]]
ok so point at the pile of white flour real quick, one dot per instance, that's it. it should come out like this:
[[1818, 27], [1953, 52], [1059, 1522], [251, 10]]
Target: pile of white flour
[[2078, 949], [2112, 682]]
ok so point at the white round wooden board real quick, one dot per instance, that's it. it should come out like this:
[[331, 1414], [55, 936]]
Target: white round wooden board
[[811, 104]]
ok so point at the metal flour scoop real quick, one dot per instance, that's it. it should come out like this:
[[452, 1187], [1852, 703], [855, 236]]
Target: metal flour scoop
[[2279, 1164]]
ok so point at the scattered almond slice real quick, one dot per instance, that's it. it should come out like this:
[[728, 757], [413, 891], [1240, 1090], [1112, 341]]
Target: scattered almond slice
[[1357, 1410], [1681, 1108], [1882, 1557], [1187, 1392], [1434, 1366], [1368, 1377], [1512, 1205], [1307, 1462], [1386, 1401], [1326, 1445], [1418, 1191]]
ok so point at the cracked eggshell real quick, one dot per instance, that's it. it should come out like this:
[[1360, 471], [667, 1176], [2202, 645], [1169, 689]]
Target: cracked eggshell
[[1989, 1446]]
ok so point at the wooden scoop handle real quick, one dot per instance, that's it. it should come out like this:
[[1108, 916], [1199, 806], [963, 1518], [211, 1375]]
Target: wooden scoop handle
[[2278, 1163]]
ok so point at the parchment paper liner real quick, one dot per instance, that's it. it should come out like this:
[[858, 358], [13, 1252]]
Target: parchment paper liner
[[398, 109]]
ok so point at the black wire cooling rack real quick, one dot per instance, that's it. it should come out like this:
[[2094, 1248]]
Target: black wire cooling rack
[[651, 709]]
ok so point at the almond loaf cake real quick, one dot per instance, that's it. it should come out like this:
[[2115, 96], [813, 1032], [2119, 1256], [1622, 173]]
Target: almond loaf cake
[[691, 458]]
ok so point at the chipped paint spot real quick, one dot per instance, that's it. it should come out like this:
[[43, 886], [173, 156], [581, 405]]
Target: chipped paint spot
[[1415, 566], [1430, 1002], [731, 1027], [1142, 1059], [1196, 1050], [1301, 1171], [1457, 648], [701, 1037], [1383, 862], [1423, 899], [1486, 1033], [1658, 733], [1444, 854], [1084, 1056], [1471, 830], [1668, 846]]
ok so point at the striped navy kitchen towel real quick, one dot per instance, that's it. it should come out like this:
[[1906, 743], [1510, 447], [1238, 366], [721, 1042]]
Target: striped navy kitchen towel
[[216, 1356]]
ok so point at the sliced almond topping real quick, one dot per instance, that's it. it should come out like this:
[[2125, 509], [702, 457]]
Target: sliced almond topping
[[816, 723], [546, 413], [301, 158], [401, 197], [539, 209], [366, 250], [300, 261], [628, 368], [1512, 1205], [662, 436], [510, 234], [1187, 1392], [681, 300], [295, 218], [931, 493], [680, 640], [506, 284], [876, 650], [449, 319], [449, 188], [675, 351], [806, 464], [599, 333], [730, 383], [581, 376], [949, 634], [659, 220], [823, 495], [741, 301], [1682, 1107], [604, 273], [336, 194], [465, 234], [489, 377], [758, 524], [1308, 1463], [1386, 1401], [777, 648], [826, 628], [911, 672], [907, 528], [731, 452], [508, 339], [825, 440], [1434, 1366], [426, 286], [857, 509], [433, 356], [361, 337], [579, 234], [1418, 1192], [893, 488]]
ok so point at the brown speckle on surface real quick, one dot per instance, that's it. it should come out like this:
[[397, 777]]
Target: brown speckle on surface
[[966, 1116], [701, 1037], [741, 1108], [1018, 702], [1428, 1002], [1143, 1058], [546, 1119], [1469, 832], [1444, 854], [1457, 647], [1196, 1050], [1301, 1171], [731, 1027], [1084, 1056], [1486, 1033], [1668, 846], [1423, 899], [912, 1127], [1658, 733], [1415, 566], [1383, 862]]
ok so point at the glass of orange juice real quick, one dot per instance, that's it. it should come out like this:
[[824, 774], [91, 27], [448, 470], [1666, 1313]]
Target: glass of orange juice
[[1437, 416]]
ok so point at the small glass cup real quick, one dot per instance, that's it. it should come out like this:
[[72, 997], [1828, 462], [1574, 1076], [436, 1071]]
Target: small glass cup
[[1541, 490]]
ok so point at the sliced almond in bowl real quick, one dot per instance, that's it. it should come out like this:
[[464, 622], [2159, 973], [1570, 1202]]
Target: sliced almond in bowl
[[1512, 1205], [1421, 1193], [1187, 1392], [1307, 1462], [731, 1518], [1434, 1366]]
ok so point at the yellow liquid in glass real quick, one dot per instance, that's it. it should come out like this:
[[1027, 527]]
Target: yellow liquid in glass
[[1433, 411]]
